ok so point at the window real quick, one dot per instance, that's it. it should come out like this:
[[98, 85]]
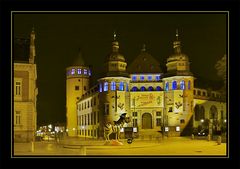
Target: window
[[121, 86], [106, 109], [18, 118], [88, 119], [204, 93], [94, 117], [150, 88], [142, 88], [199, 92], [194, 92], [85, 88], [89, 72], [126, 87], [167, 86], [158, 113], [135, 122], [134, 114], [85, 71], [149, 77], [134, 78], [113, 86], [141, 77], [189, 85], [182, 85], [76, 87], [158, 88], [134, 88], [182, 121], [174, 85], [94, 101], [73, 72], [105, 88], [100, 87], [170, 109], [157, 77], [18, 88], [88, 104], [158, 122], [79, 71]]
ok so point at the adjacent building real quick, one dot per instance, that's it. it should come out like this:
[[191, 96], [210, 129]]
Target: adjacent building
[[25, 90]]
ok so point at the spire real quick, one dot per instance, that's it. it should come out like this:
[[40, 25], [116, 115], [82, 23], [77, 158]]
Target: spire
[[32, 46], [115, 44], [143, 48], [177, 44], [79, 60]]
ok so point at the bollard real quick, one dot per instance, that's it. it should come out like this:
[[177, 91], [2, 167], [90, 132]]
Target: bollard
[[219, 140], [82, 150], [209, 137], [192, 136], [32, 146]]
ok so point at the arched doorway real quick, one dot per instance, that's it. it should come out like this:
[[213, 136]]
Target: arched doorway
[[146, 121], [213, 114]]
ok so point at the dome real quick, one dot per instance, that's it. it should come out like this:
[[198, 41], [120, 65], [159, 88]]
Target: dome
[[178, 57]]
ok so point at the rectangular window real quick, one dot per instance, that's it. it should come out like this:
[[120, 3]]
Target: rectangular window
[[18, 88], [79, 71], [158, 122], [199, 92], [194, 92], [141, 77], [134, 114], [105, 87], [89, 73], [18, 118], [157, 77], [158, 113], [170, 109], [73, 72], [149, 78], [76, 87], [94, 117], [85, 71], [135, 123]]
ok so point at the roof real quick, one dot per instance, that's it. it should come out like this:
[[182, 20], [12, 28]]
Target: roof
[[79, 60], [21, 50], [144, 63]]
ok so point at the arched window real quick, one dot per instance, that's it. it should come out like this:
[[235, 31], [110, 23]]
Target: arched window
[[105, 88], [158, 88], [73, 72], [134, 88], [100, 87], [150, 88], [189, 85], [113, 86], [202, 113], [79, 71], [182, 85], [142, 88], [167, 86], [197, 113], [121, 86], [174, 85]]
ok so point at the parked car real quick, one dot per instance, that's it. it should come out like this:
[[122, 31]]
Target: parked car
[[202, 132]]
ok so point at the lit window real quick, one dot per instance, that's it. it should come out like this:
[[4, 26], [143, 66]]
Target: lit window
[[158, 88], [167, 86], [134, 78], [113, 86], [157, 77], [85, 71], [149, 78], [89, 72], [182, 85], [142, 88], [134, 88], [150, 88], [141, 77], [79, 71], [189, 84], [177, 128], [105, 88], [121, 86], [126, 87], [73, 72], [174, 85], [100, 87]]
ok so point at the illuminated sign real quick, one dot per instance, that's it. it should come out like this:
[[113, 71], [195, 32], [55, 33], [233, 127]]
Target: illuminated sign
[[146, 99]]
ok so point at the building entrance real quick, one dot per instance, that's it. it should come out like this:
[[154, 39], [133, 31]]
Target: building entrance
[[146, 121]]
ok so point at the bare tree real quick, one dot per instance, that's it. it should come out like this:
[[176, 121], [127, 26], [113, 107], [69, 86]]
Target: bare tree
[[221, 66]]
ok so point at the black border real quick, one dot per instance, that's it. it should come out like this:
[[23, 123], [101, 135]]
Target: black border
[[233, 6]]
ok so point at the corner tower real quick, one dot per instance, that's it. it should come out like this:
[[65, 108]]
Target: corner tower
[[114, 87], [77, 84], [178, 84]]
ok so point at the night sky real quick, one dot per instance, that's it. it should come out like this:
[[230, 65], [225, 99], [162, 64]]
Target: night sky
[[60, 36]]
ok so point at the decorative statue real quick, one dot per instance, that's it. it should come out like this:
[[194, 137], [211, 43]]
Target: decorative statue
[[109, 128]]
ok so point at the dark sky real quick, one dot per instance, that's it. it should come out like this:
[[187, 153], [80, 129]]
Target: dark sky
[[59, 37]]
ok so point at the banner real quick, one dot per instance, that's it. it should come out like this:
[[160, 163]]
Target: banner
[[178, 101]]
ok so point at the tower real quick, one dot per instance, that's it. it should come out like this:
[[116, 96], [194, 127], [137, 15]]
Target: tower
[[113, 88], [32, 47], [77, 84], [178, 85]]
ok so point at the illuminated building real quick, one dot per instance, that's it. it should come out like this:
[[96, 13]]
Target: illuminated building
[[153, 99], [25, 90]]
